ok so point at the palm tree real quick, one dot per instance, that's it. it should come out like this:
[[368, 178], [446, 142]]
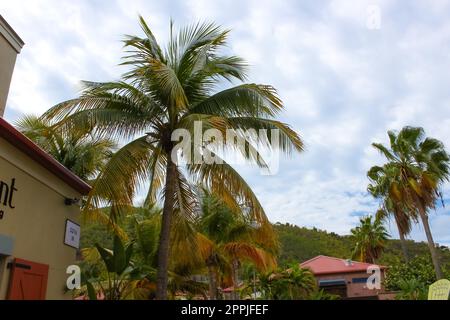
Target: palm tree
[[383, 187], [370, 237], [293, 283], [229, 238], [80, 151], [164, 91], [419, 167]]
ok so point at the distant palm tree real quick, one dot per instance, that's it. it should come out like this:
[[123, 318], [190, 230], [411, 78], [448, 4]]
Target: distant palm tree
[[370, 239], [80, 151], [294, 283], [382, 187], [228, 238], [168, 90], [418, 166]]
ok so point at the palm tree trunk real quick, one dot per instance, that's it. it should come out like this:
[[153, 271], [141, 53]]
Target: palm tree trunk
[[431, 246], [404, 248], [402, 242], [235, 271], [212, 283], [164, 238]]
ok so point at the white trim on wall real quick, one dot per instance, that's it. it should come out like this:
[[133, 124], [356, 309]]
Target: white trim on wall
[[10, 35]]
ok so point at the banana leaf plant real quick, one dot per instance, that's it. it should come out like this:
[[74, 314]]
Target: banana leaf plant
[[121, 278]]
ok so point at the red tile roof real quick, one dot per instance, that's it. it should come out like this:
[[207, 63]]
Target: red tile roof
[[19, 141], [331, 265]]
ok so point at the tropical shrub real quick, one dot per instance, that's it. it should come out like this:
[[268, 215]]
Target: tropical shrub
[[294, 283], [118, 276], [411, 289], [419, 269], [321, 294]]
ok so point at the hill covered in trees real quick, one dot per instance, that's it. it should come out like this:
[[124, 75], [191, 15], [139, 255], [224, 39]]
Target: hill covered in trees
[[298, 244]]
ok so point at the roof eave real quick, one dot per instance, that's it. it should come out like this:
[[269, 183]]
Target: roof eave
[[10, 35]]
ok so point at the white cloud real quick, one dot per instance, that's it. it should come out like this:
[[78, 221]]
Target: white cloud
[[311, 201]]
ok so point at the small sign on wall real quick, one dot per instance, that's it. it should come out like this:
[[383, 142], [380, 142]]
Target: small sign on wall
[[72, 234]]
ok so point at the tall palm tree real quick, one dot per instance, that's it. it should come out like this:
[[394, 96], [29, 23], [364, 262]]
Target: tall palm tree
[[370, 237], [383, 187], [420, 165], [80, 151], [169, 89]]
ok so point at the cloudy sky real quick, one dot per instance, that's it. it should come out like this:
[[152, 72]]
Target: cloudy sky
[[346, 71]]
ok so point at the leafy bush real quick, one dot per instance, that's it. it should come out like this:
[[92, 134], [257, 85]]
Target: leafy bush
[[320, 294], [412, 289], [294, 283], [400, 274]]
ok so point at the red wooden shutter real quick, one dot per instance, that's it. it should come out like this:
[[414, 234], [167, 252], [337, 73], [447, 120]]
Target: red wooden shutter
[[28, 280]]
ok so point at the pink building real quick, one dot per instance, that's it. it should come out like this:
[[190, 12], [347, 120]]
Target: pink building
[[346, 278]]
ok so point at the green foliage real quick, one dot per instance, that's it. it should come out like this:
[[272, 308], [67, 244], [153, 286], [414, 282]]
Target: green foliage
[[322, 295], [229, 239], [118, 272], [299, 244], [419, 269], [78, 150], [105, 255], [92, 294], [370, 239], [119, 259], [412, 289], [92, 233], [293, 283]]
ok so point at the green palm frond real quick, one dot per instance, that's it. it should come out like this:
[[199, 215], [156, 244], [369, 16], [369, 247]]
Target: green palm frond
[[223, 180], [78, 150], [246, 100], [383, 150], [370, 239], [147, 47], [118, 180], [156, 171]]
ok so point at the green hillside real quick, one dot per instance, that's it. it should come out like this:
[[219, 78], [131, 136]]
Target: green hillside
[[298, 244]]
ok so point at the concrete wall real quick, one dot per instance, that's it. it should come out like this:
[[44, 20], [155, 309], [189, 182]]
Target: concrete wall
[[37, 223], [354, 290]]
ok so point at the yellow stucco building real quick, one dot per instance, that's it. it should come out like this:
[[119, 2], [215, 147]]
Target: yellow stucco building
[[39, 210]]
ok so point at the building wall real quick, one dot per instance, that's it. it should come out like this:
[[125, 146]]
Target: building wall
[[10, 46], [7, 60], [354, 290], [37, 223]]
